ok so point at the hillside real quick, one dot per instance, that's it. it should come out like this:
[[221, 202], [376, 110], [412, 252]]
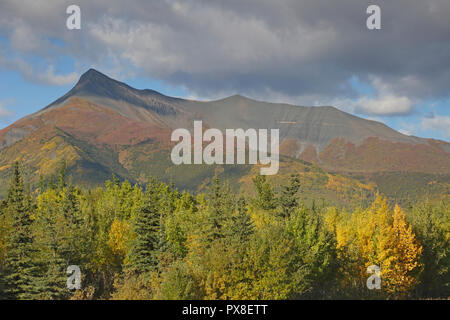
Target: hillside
[[103, 127]]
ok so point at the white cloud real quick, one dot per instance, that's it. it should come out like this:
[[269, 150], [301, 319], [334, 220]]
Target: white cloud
[[49, 77], [385, 102], [439, 123], [46, 76], [385, 105]]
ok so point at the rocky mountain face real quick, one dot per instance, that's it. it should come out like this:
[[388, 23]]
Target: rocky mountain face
[[103, 126]]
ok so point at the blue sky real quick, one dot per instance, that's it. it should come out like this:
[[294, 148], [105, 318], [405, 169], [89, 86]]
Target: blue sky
[[303, 53]]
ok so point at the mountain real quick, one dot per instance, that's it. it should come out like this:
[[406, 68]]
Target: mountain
[[104, 127]]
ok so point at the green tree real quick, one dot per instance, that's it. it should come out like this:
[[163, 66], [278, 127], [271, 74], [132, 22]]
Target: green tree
[[69, 208], [143, 255], [288, 199], [5, 229], [265, 195], [50, 227], [273, 267], [241, 226], [180, 224], [62, 175], [316, 248], [431, 224], [219, 212], [21, 267], [177, 283]]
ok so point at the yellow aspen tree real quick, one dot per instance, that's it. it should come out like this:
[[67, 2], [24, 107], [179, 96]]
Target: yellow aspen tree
[[372, 235], [401, 267], [120, 236]]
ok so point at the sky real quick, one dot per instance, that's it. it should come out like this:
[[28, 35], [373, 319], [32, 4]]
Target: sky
[[303, 52]]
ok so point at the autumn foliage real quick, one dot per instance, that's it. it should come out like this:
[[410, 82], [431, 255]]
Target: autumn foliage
[[155, 242]]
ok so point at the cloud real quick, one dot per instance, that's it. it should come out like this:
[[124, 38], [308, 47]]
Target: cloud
[[385, 105], [36, 74], [305, 51], [49, 77], [439, 123]]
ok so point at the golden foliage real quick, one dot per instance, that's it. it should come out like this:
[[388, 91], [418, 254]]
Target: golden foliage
[[382, 237], [119, 237]]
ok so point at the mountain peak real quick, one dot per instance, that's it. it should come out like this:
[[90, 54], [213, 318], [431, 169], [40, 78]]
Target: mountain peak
[[92, 72], [94, 83], [100, 89], [94, 77]]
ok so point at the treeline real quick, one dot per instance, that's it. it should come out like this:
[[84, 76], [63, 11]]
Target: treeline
[[154, 242]]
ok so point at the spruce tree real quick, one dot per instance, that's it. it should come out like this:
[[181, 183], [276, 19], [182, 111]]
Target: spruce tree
[[288, 200], [42, 183], [73, 223], [265, 195], [4, 229], [143, 254], [62, 175], [242, 226], [222, 206], [52, 284], [21, 268]]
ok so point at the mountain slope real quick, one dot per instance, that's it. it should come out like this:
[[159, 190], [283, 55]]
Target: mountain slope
[[327, 136], [317, 126], [103, 126]]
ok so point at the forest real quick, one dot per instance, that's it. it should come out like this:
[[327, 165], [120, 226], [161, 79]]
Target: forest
[[153, 241]]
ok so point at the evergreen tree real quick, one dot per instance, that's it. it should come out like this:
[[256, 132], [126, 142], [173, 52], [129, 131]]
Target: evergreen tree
[[115, 180], [42, 183], [242, 226], [288, 198], [70, 209], [431, 223], [222, 199], [222, 206], [168, 196], [4, 230], [315, 246], [52, 284], [21, 268], [143, 255], [265, 195], [62, 175]]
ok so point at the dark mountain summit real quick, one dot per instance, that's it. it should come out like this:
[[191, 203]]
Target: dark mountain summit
[[101, 89]]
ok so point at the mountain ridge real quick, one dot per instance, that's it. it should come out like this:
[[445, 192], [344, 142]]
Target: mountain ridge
[[128, 131], [309, 126]]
